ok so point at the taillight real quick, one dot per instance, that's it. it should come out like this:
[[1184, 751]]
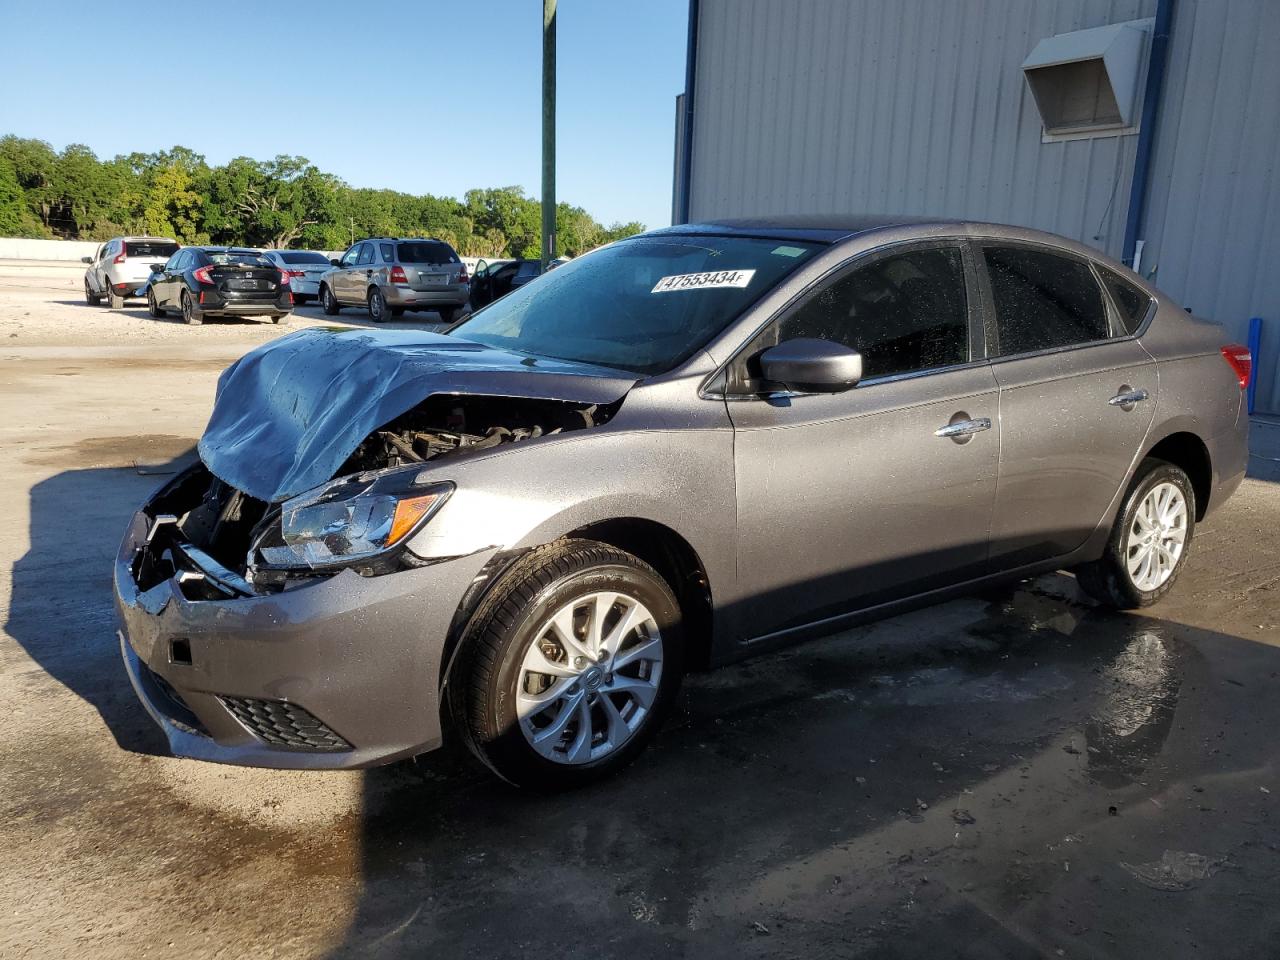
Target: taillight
[[463, 276], [202, 275], [120, 257], [397, 274], [1240, 361], [287, 275]]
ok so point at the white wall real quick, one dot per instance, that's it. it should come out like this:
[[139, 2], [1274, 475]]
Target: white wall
[[12, 248]]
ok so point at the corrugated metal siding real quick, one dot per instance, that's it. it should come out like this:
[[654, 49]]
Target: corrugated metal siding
[[911, 106], [1213, 220], [920, 107]]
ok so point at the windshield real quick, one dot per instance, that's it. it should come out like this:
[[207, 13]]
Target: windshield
[[251, 257], [425, 251], [303, 256], [150, 248], [642, 305]]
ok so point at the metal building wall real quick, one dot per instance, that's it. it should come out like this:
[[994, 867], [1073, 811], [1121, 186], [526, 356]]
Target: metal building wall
[[920, 107], [1213, 215]]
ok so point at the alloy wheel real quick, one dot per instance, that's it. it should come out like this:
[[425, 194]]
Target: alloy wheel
[[589, 678], [1157, 537]]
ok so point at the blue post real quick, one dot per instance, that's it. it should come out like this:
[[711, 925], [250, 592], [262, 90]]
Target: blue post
[[1255, 347]]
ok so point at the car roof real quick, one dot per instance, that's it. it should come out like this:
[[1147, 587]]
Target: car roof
[[828, 229], [230, 250], [820, 228], [137, 239]]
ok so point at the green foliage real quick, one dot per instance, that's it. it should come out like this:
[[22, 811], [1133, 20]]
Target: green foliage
[[285, 202]]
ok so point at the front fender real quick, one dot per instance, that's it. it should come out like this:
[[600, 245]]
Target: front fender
[[539, 491]]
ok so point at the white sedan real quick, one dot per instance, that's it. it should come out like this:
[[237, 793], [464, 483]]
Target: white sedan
[[303, 269]]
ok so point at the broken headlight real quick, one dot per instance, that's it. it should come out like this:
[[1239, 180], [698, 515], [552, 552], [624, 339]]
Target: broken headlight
[[350, 519]]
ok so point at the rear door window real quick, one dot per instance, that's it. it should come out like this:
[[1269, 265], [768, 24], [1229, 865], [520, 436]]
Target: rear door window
[[366, 254], [1131, 301], [903, 313], [1043, 301], [426, 251]]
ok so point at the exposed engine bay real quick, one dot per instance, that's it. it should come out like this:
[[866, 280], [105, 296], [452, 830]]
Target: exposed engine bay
[[445, 425], [207, 533]]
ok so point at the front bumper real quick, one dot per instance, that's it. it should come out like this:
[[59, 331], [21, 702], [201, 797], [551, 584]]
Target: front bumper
[[337, 673]]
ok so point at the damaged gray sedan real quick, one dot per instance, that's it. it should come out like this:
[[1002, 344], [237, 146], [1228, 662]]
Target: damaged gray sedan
[[671, 453]]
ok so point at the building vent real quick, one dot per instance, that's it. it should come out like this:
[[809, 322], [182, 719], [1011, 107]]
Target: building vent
[[1086, 82]]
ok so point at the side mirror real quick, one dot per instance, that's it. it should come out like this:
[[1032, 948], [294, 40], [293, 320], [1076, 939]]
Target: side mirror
[[157, 268], [86, 259], [336, 263], [808, 365]]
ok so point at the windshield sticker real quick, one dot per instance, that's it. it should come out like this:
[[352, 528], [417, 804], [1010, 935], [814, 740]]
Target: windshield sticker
[[704, 281], [788, 251]]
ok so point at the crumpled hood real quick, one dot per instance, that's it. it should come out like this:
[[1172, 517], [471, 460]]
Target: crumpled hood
[[288, 414]]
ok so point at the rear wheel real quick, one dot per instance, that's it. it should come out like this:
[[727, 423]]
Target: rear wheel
[[377, 306], [114, 300], [569, 666], [90, 297], [189, 312], [153, 308], [1149, 542], [328, 302]]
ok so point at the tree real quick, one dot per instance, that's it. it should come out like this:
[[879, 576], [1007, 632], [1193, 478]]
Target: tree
[[16, 218], [268, 203]]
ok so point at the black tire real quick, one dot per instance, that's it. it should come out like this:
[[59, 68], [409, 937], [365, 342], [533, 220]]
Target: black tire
[[328, 302], [189, 312], [278, 317], [483, 682], [447, 314], [397, 312], [91, 298], [1107, 579], [377, 304], [114, 300], [157, 312]]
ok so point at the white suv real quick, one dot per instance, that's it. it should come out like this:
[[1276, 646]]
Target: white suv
[[121, 267]]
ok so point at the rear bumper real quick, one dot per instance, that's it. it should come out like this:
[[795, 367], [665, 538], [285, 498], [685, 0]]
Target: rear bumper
[[454, 296], [1229, 458], [339, 673], [215, 303]]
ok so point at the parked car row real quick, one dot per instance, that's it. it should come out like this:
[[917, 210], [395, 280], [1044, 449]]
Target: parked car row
[[385, 275]]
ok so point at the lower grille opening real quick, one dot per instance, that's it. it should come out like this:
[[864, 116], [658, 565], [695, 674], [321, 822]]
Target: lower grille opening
[[283, 724]]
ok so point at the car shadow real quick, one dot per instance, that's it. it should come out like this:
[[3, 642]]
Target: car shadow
[[60, 610], [912, 788]]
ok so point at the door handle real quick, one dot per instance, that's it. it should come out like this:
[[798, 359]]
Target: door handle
[[963, 428], [1126, 398]]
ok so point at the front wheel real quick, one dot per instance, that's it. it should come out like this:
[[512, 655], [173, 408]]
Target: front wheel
[[1149, 542], [328, 302], [91, 298], [569, 666]]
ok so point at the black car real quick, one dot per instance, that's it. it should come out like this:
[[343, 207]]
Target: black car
[[219, 282], [497, 279]]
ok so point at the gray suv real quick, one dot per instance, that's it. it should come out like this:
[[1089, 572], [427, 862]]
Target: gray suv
[[388, 276], [673, 452]]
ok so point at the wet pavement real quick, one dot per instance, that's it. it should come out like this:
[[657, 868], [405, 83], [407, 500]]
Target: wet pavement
[[1017, 774]]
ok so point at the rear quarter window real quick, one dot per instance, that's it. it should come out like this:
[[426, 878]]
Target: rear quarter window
[[1131, 302]]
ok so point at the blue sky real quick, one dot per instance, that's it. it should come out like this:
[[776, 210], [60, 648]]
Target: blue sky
[[427, 97]]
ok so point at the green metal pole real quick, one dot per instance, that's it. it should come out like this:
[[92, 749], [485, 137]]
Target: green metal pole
[[548, 132]]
